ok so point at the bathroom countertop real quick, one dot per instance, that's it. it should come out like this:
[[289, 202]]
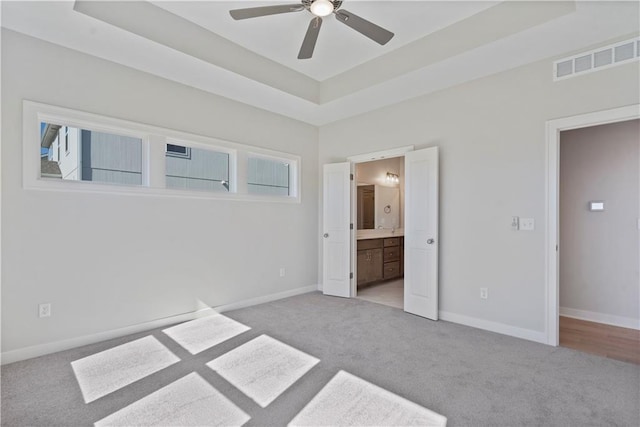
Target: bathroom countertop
[[379, 234]]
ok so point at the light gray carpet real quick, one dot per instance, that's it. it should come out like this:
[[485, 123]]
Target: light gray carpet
[[472, 377]]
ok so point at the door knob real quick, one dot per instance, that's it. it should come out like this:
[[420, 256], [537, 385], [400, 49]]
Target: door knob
[[325, 235], [431, 241]]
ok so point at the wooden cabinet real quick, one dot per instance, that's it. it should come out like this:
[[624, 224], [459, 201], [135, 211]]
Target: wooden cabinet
[[380, 259], [392, 261], [370, 266]]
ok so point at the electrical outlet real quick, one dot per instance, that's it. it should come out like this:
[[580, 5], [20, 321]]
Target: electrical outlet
[[44, 310], [484, 293], [527, 224], [282, 272]]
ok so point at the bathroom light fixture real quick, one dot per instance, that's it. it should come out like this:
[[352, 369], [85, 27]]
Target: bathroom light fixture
[[321, 8], [393, 178]]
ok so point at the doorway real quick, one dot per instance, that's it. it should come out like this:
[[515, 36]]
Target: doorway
[[599, 204], [420, 248], [379, 212], [554, 128]]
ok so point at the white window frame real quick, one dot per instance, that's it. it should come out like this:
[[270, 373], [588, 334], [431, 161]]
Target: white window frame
[[154, 140]]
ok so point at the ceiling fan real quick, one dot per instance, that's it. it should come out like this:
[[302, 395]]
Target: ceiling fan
[[319, 8]]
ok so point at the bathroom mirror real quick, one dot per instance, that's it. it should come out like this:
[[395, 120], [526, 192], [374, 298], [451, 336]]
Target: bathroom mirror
[[378, 207]]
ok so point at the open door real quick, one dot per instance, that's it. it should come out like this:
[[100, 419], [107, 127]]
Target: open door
[[336, 242], [421, 233]]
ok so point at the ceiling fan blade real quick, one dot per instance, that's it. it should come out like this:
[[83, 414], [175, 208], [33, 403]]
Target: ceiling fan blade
[[364, 27], [309, 42], [254, 12]]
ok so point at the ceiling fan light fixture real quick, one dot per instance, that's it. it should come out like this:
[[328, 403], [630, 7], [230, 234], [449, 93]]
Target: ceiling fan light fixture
[[321, 8]]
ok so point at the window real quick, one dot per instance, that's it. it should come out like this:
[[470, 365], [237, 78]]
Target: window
[[178, 151], [268, 176], [66, 140], [77, 151], [196, 169], [91, 156]]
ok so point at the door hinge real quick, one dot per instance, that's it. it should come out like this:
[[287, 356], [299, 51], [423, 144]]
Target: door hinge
[[351, 226], [350, 275], [556, 248], [351, 176]]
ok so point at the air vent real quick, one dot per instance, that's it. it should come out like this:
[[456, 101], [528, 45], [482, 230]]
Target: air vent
[[597, 59]]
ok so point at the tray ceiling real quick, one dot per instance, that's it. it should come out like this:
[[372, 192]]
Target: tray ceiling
[[437, 44]]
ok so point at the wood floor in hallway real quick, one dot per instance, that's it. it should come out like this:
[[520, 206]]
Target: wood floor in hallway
[[604, 340]]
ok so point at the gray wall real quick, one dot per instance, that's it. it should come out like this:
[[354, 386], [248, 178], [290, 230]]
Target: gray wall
[[491, 134], [151, 257], [599, 250]]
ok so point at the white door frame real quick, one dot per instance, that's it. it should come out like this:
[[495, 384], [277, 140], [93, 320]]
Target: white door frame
[[553, 129], [362, 158]]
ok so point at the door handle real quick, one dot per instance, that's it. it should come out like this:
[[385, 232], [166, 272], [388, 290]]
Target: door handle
[[430, 242], [325, 235]]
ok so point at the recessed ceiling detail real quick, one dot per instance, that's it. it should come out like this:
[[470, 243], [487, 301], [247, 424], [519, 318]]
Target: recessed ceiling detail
[[437, 44]]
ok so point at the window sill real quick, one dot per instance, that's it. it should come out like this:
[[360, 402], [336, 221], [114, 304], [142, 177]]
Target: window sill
[[68, 186]]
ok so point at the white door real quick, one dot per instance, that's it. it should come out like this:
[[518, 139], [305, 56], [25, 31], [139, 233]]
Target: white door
[[336, 241], [421, 233]]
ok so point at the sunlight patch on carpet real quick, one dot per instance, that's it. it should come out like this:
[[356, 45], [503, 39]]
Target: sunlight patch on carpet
[[110, 370], [263, 368], [200, 334], [189, 401], [347, 400]]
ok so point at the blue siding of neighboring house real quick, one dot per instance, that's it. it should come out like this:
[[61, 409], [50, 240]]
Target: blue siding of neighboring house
[[118, 159], [198, 170], [266, 176], [111, 158]]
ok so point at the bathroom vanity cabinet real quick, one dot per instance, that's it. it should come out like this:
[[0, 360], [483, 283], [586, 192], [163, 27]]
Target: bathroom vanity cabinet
[[380, 259]]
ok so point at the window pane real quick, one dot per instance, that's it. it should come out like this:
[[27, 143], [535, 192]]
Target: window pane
[[197, 169], [83, 155], [177, 150], [267, 176]]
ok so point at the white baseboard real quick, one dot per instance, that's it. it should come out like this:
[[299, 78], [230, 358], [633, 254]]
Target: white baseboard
[[608, 319], [53, 347], [501, 328], [266, 298]]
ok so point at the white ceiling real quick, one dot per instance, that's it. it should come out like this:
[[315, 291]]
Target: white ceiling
[[339, 48], [437, 45]]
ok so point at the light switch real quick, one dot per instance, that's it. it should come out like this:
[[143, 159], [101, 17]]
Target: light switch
[[515, 223], [596, 206], [527, 224]]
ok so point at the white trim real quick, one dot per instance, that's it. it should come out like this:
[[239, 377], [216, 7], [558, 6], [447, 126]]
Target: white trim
[[34, 113], [266, 298], [607, 319], [379, 155], [56, 346], [553, 129], [353, 238], [500, 328]]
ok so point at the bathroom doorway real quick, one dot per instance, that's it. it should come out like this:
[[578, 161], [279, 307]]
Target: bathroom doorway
[[380, 231]]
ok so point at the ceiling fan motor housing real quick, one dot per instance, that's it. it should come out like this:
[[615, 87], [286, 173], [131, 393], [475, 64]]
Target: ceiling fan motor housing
[[336, 4]]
